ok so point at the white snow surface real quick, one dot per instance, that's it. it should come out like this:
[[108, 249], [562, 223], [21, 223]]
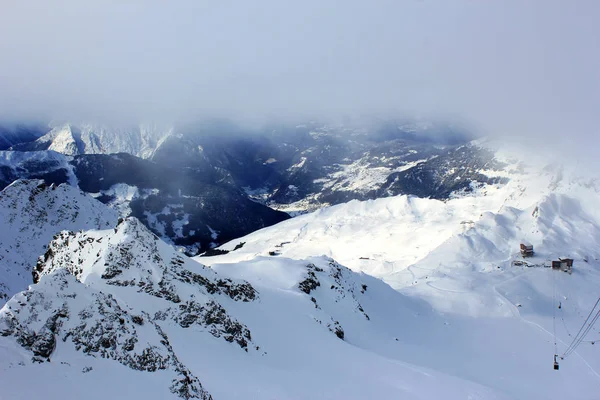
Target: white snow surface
[[294, 351], [495, 320], [63, 141], [451, 316], [31, 213]]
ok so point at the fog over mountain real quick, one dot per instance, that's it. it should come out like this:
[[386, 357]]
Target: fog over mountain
[[524, 69]]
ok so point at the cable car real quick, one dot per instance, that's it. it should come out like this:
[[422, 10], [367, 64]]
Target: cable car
[[555, 363]]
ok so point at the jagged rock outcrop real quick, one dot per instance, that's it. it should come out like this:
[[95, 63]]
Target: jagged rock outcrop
[[333, 282], [31, 212], [60, 308], [134, 258], [74, 302]]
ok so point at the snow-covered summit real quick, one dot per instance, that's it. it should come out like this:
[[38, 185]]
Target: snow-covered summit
[[104, 293], [131, 255], [62, 140]]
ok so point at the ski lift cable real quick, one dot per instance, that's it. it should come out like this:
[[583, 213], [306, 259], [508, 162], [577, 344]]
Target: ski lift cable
[[578, 339], [591, 324], [584, 330], [589, 327], [593, 341], [562, 318], [583, 325]]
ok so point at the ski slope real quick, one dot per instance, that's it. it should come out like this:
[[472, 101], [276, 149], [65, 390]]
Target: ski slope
[[312, 328], [493, 322], [297, 311]]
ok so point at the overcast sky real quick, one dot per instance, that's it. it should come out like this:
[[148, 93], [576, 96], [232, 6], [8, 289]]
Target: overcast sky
[[509, 66]]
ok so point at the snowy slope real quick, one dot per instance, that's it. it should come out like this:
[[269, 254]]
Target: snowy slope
[[31, 213], [280, 316], [384, 236], [121, 306], [62, 140], [457, 256]]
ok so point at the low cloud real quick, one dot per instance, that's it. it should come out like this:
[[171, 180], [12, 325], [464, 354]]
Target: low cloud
[[524, 69]]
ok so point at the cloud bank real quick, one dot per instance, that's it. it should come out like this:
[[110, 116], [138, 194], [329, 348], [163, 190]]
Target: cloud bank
[[511, 67]]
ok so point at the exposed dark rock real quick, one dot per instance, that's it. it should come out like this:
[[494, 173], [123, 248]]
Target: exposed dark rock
[[213, 316], [214, 252], [102, 329], [311, 282], [336, 328], [239, 246]]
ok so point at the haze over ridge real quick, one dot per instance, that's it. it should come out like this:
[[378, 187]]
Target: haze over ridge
[[523, 69]]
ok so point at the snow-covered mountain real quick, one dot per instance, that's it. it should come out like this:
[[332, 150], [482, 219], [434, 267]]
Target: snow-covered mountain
[[198, 180], [74, 139], [195, 209], [31, 213], [123, 307], [402, 230], [86, 297], [293, 310], [461, 256], [295, 168]]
